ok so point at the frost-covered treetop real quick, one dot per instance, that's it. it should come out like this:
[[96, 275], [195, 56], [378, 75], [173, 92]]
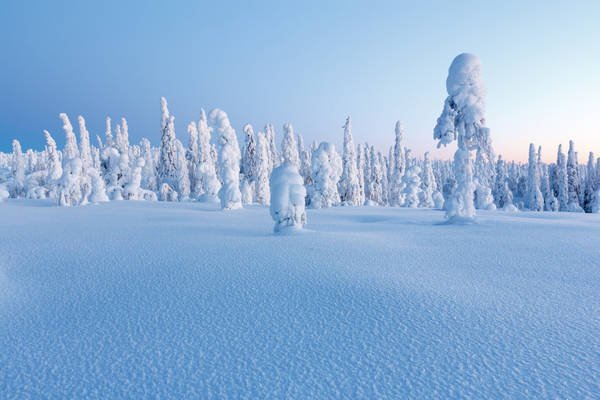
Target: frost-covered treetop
[[463, 117]]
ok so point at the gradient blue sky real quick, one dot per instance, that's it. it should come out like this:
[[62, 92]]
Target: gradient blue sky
[[308, 63]]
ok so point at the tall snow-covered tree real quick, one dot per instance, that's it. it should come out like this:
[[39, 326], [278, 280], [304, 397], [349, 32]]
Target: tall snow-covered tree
[[535, 199], [70, 193], [263, 194], [17, 186], [248, 166], [326, 172], [73, 185], [428, 184], [385, 190], [502, 193], [167, 161], [349, 187], [289, 149], [561, 183], [122, 145], [192, 155], [399, 166], [483, 176], [273, 152], [376, 178], [229, 161], [360, 172], [591, 184], [304, 161], [70, 150], [463, 119], [54, 171], [210, 183], [84, 145], [149, 179], [412, 183], [550, 201], [573, 180], [182, 173]]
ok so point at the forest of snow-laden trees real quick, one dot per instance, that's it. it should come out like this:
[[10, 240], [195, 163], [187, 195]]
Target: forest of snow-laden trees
[[213, 166]]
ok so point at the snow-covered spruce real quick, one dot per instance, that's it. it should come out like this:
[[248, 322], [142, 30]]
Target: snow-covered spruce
[[209, 182], [289, 149], [326, 172], [573, 181], [349, 187], [229, 161], [398, 167], [248, 167], [535, 199], [412, 183], [166, 170]]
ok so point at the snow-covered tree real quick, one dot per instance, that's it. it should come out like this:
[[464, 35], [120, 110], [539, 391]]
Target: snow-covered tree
[[591, 184], [561, 182], [149, 179], [535, 199], [399, 166], [70, 150], [463, 119], [182, 173], [483, 176], [275, 158], [573, 181], [360, 173], [70, 193], [133, 189], [385, 190], [502, 193], [428, 184], [84, 145], [98, 187], [192, 155], [289, 149], [74, 186], [167, 193], [349, 187], [3, 193], [304, 161], [248, 167], [263, 193], [367, 173], [326, 172], [167, 161], [412, 183], [210, 184], [375, 180], [550, 201], [287, 197], [17, 184], [229, 161], [54, 171]]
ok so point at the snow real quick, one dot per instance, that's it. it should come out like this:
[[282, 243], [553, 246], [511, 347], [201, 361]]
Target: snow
[[142, 299]]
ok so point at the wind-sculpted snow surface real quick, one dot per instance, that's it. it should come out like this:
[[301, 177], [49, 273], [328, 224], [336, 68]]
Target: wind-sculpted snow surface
[[175, 300]]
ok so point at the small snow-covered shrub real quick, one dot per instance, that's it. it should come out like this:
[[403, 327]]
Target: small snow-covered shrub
[[3, 193], [287, 198]]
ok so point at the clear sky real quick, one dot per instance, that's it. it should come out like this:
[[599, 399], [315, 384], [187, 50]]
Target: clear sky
[[308, 63]]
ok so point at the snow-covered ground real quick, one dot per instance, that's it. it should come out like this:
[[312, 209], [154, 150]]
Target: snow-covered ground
[[135, 299]]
